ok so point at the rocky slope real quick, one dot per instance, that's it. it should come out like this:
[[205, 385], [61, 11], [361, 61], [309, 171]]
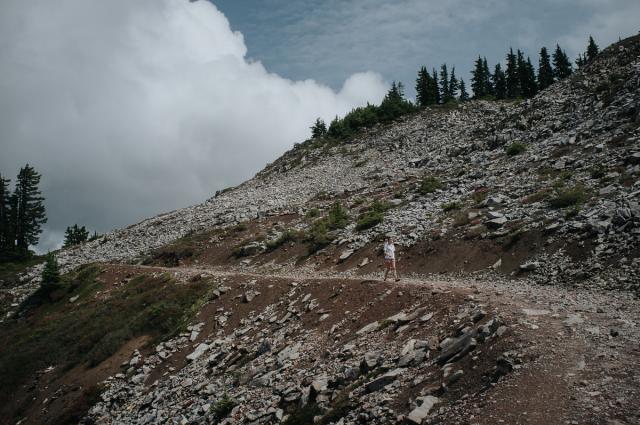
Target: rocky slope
[[525, 213]]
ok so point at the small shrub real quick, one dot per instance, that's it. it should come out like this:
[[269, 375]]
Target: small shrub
[[567, 197], [429, 184], [539, 196], [240, 227], [318, 236], [572, 212], [338, 216], [223, 407], [461, 219], [515, 148], [369, 219], [303, 415], [373, 216], [50, 274], [357, 202], [479, 195], [450, 206], [385, 324], [312, 213], [286, 236]]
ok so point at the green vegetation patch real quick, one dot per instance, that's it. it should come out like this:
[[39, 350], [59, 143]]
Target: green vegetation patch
[[86, 332], [373, 216], [515, 148], [429, 184], [451, 206], [568, 197], [289, 235], [223, 407]]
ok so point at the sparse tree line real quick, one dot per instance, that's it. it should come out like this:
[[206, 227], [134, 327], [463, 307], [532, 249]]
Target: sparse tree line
[[518, 80], [22, 214]]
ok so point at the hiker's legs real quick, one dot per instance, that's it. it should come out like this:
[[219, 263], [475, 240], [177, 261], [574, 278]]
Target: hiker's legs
[[395, 272]]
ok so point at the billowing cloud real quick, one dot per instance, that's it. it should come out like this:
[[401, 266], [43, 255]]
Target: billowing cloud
[[131, 108]]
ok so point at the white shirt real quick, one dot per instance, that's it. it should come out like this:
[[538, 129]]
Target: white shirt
[[389, 251]]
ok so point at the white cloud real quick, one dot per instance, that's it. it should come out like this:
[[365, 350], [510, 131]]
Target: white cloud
[[132, 108]]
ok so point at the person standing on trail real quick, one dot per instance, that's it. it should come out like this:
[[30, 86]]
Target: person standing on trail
[[390, 258]]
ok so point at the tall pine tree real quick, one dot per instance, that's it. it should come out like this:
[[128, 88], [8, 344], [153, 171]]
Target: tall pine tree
[[529, 85], [453, 84], [422, 88], [499, 83], [318, 129], [50, 274], [464, 96], [28, 213], [561, 64], [6, 243], [75, 235], [444, 83], [478, 83], [592, 50], [486, 75], [435, 89], [545, 72], [511, 76]]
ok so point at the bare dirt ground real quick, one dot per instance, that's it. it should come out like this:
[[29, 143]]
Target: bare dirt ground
[[578, 351]]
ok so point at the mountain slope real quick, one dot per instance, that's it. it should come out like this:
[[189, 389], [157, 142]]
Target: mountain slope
[[510, 218]]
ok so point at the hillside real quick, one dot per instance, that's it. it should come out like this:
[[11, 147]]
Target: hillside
[[518, 226]]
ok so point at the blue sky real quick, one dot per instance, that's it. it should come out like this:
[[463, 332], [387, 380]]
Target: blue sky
[[327, 40]]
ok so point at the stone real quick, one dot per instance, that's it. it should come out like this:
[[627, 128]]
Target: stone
[[371, 360], [199, 351], [382, 381], [74, 298], [457, 348], [368, 328], [496, 222], [529, 266], [345, 254], [535, 312], [420, 413]]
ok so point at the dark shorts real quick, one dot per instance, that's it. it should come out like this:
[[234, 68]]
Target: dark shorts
[[390, 263]]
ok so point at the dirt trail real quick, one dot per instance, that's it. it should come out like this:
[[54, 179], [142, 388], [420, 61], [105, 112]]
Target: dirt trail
[[579, 359]]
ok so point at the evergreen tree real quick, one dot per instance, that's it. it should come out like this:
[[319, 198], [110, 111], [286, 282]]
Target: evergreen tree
[[545, 72], [424, 93], [50, 273], [444, 83], [478, 84], [511, 76], [592, 50], [499, 83], [522, 72], [581, 60], [28, 212], [319, 129], [464, 96], [394, 104], [336, 129], [75, 235], [6, 242], [561, 64], [434, 87], [454, 84], [486, 75], [529, 86]]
